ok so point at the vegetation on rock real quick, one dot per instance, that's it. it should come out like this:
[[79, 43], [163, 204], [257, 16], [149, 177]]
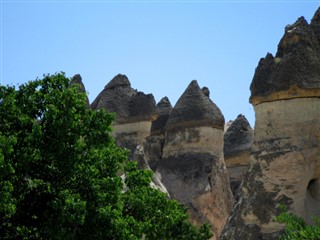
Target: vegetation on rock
[[296, 228], [59, 173]]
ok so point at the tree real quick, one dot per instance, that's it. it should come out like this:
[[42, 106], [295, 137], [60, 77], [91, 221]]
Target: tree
[[296, 228], [59, 173]]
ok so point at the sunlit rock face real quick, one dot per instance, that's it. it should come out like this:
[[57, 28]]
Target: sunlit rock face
[[142, 159], [192, 166], [285, 160], [237, 149], [77, 79], [134, 111], [154, 143]]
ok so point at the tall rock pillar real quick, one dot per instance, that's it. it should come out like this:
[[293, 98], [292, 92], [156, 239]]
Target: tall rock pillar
[[134, 111], [237, 149], [192, 166], [285, 158]]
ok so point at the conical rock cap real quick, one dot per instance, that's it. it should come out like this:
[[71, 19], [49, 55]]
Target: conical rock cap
[[194, 109]]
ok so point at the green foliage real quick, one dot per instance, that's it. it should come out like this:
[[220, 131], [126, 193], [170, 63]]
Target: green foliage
[[59, 173], [296, 228]]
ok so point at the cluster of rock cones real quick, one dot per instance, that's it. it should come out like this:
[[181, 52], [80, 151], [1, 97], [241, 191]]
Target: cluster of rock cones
[[233, 177]]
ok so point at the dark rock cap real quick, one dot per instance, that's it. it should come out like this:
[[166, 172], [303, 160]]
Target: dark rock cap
[[128, 104], [294, 71], [194, 109], [142, 107], [164, 108], [206, 91], [77, 79], [238, 137], [315, 24], [118, 81]]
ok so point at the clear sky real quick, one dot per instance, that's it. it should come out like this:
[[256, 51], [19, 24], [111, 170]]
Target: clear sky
[[160, 45]]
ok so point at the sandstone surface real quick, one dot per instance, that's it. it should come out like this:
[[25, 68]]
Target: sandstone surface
[[285, 160], [192, 166], [141, 157]]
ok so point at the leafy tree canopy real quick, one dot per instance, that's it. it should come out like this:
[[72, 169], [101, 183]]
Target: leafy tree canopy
[[296, 228], [59, 173]]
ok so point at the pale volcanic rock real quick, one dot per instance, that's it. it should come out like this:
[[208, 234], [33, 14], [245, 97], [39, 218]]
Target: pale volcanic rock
[[237, 149], [141, 157], [154, 143], [192, 166], [227, 125], [285, 159], [77, 79], [134, 111]]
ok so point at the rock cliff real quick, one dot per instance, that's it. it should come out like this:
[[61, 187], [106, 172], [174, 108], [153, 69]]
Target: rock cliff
[[285, 160], [192, 166]]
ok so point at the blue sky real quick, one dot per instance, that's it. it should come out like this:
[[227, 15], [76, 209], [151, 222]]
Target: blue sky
[[160, 45]]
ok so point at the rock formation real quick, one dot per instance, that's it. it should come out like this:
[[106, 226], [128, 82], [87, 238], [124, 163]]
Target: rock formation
[[285, 160], [154, 143], [192, 166], [315, 24], [142, 159], [77, 79], [134, 111], [237, 149]]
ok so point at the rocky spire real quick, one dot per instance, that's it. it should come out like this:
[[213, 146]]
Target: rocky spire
[[164, 108], [118, 81], [77, 79], [195, 109], [294, 71], [192, 166], [128, 104], [315, 24], [237, 148], [238, 137]]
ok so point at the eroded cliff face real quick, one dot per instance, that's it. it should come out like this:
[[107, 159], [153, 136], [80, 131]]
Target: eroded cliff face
[[285, 159], [134, 111], [154, 143], [192, 166], [237, 150]]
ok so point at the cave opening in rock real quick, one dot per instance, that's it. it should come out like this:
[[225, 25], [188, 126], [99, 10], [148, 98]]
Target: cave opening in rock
[[314, 188], [312, 201]]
